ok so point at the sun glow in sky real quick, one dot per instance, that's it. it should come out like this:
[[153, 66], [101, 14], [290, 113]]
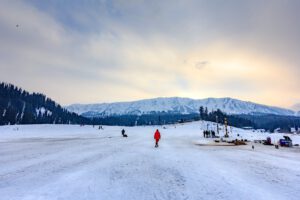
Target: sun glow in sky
[[104, 51]]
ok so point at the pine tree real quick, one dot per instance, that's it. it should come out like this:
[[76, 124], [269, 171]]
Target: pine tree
[[201, 112], [205, 113]]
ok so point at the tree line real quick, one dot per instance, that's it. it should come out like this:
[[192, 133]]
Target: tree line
[[219, 117], [271, 122], [18, 106]]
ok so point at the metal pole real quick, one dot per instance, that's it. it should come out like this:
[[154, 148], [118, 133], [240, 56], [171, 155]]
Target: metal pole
[[226, 131], [217, 125]]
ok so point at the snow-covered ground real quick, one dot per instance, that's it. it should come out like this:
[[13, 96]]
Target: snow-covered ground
[[72, 162]]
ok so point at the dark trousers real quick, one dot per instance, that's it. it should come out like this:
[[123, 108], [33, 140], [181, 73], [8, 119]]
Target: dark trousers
[[156, 142]]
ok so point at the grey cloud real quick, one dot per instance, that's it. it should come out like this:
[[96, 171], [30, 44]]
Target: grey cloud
[[274, 24]]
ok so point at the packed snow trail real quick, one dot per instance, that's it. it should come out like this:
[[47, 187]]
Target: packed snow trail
[[72, 162]]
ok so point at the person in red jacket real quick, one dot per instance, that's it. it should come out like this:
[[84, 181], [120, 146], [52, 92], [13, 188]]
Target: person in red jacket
[[156, 137]]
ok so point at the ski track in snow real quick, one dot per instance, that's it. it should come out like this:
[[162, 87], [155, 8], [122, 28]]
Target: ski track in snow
[[72, 162]]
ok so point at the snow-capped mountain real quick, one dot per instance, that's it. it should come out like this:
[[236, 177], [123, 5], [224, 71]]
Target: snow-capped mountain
[[296, 107], [175, 105]]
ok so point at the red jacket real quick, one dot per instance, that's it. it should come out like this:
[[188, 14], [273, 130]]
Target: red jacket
[[157, 135]]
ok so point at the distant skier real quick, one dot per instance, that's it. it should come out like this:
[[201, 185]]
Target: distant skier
[[156, 137], [253, 147], [123, 133]]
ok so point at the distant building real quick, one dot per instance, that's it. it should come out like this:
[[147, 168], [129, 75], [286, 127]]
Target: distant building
[[247, 128], [277, 130], [293, 130]]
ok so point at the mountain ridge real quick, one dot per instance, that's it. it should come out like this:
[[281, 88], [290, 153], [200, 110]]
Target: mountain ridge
[[175, 105]]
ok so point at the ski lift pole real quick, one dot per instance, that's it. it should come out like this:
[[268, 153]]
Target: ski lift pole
[[226, 130], [217, 124]]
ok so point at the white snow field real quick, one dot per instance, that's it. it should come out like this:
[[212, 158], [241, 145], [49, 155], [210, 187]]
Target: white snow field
[[43, 162]]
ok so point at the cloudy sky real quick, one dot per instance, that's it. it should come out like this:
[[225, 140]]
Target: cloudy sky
[[104, 51]]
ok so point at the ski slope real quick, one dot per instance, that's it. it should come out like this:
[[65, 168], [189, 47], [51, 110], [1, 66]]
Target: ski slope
[[43, 162]]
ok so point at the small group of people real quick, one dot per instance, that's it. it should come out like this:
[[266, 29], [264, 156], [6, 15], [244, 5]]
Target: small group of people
[[156, 136], [209, 134]]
